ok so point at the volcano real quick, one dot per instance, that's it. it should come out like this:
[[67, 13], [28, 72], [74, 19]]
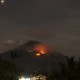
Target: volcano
[[26, 60]]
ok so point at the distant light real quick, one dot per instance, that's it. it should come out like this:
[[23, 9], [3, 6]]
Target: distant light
[[24, 78], [2, 1]]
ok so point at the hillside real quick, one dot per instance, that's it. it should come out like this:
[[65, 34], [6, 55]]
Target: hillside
[[29, 62]]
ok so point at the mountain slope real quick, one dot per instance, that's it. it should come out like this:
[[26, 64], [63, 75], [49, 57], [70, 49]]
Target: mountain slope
[[29, 62]]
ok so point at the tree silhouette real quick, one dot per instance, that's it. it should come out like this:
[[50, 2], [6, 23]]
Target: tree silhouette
[[68, 71], [8, 71]]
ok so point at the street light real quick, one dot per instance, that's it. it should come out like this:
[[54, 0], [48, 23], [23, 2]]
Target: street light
[[23, 78], [2, 1]]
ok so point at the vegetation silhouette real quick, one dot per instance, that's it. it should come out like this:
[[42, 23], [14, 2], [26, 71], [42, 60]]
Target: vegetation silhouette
[[8, 70], [68, 71]]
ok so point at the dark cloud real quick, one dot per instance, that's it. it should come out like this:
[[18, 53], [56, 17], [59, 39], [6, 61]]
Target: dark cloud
[[56, 22]]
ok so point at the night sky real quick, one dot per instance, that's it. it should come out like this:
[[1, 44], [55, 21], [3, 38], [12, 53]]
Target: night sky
[[54, 22]]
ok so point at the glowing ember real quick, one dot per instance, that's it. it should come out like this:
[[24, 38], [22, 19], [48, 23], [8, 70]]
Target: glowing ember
[[40, 49], [42, 52], [38, 54]]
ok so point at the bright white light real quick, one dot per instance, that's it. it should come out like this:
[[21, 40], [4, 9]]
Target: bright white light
[[2, 1], [24, 78]]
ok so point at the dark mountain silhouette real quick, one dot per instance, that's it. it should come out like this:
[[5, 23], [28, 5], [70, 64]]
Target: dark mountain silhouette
[[27, 61]]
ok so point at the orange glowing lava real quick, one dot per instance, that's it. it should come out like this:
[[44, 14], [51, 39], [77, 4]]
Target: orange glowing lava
[[40, 49], [38, 54], [42, 52]]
